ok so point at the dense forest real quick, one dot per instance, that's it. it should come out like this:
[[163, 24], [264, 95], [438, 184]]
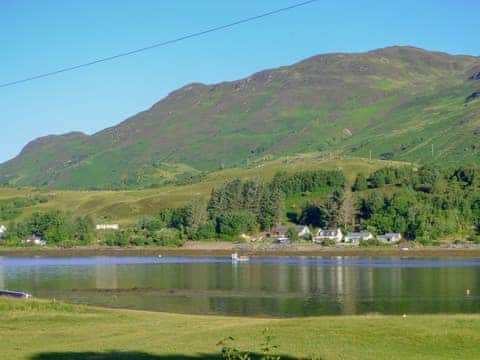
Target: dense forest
[[423, 204]]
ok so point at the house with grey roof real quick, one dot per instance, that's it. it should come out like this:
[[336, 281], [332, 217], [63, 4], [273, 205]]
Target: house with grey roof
[[356, 237], [335, 235]]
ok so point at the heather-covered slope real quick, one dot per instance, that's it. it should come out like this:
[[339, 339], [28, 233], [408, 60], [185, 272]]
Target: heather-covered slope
[[394, 101]]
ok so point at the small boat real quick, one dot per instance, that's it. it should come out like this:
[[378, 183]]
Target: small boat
[[236, 257], [15, 294]]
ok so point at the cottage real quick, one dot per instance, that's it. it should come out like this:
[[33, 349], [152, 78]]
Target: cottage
[[3, 230], [335, 235], [390, 238], [281, 231], [107, 227], [356, 237]]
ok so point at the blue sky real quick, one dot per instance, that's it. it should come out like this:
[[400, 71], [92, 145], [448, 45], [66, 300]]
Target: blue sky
[[41, 36]]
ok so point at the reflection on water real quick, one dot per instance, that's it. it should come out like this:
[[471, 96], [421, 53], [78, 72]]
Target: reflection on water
[[263, 286]]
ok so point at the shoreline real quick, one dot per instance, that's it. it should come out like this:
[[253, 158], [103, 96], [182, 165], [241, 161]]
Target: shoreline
[[223, 249]]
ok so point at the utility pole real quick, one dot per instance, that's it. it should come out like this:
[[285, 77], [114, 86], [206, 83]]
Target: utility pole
[[370, 155], [433, 151]]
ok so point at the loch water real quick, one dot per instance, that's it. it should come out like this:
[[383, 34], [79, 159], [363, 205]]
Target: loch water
[[270, 286]]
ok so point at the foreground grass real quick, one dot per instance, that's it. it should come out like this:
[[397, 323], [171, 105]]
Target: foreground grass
[[43, 330]]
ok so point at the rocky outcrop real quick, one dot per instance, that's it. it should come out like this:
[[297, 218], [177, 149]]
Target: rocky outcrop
[[473, 96], [475, 76]]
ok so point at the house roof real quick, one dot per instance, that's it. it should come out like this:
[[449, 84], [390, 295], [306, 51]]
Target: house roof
[[391, 235], [359, 234]]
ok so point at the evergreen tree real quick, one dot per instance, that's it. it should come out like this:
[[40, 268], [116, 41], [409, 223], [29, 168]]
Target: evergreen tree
[[315, 215], [83, 228], [251, 195], [196, 213], [215, 202], [272, 208], [361, 183]]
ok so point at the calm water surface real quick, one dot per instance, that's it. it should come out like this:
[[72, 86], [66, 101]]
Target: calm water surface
[[262, 286]]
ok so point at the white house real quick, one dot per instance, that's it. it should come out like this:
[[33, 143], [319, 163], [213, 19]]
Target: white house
[[3, 230], [335, 235], [390, 238], [107, 227], [356, 237], [302, 230]]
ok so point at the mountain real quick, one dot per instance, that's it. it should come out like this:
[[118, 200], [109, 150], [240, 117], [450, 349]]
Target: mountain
[[395, 102]]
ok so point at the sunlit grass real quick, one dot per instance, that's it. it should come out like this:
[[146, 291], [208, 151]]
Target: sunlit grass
[[30, 328]]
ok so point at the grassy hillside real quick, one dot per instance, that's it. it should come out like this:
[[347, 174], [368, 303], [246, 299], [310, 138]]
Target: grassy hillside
[[127, 207], [444, 119], [394, 102], [38, 330]]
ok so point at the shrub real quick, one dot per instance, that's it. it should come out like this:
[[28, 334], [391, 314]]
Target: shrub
[[118, 238], [329, 242], [205, 232], [424, 240], [150, 224], [308, 237], [292, 233], [368, 243], [474, 239], [169, 238]]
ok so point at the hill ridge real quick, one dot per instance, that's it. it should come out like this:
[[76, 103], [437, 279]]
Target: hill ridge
[[329, 102]]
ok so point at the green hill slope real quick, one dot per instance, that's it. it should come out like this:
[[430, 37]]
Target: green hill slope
[[127, 207], [394, 102]]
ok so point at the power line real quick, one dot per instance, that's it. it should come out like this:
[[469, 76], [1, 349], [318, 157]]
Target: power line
[[161, 44]]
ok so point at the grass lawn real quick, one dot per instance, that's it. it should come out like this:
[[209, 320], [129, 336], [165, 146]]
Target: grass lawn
[[40, 330]]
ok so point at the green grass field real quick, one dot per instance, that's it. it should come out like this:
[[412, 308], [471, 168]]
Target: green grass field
[[126, 207], [38, 330]]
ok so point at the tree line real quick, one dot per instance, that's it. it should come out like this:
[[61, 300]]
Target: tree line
[[234, 208], [54, 227], [425, 204]]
